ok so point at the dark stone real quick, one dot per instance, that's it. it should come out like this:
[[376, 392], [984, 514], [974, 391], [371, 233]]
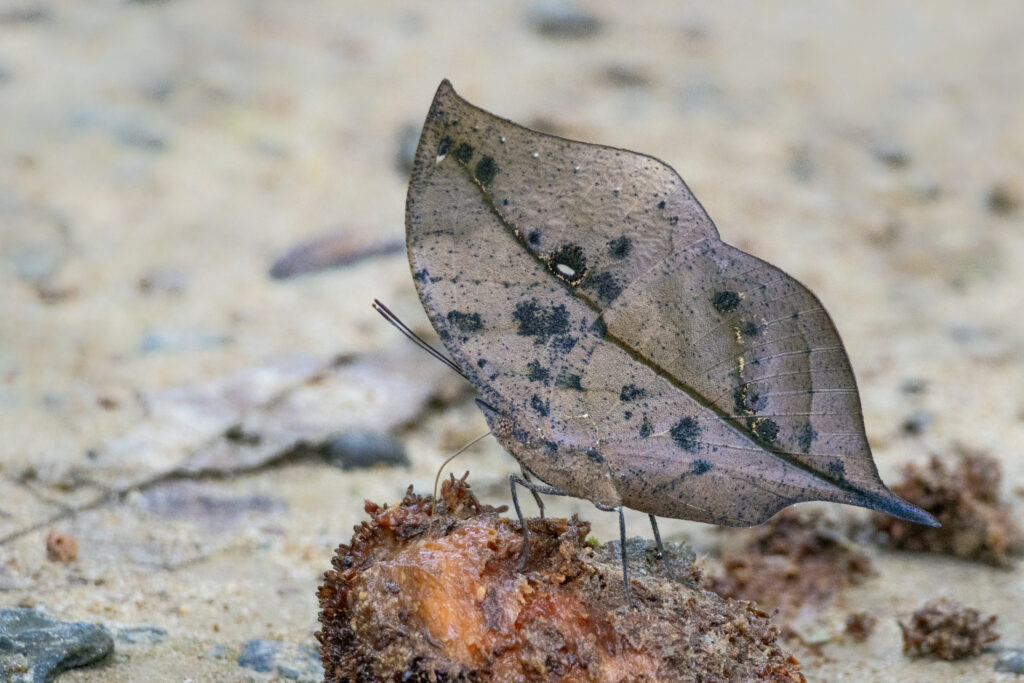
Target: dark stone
[[35, 648], [259, 655], [357, 450]]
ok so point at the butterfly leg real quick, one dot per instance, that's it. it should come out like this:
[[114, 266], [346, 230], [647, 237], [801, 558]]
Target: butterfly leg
[[536, 489], [536, 496], [622, 543], [625, 565], [657, 536]]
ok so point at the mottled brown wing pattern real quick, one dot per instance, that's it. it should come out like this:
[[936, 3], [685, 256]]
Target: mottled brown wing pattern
[[633, 357]]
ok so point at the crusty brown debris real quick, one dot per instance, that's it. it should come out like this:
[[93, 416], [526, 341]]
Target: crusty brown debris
[[860, 626], [948, 630], [976, 525], [795, 558], [413, 600], [61, 547]]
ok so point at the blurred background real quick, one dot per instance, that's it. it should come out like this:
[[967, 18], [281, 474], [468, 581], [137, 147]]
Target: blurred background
[[208, 430]]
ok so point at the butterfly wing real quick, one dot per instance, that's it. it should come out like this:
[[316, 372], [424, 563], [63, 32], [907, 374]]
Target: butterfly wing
[[588, 297]]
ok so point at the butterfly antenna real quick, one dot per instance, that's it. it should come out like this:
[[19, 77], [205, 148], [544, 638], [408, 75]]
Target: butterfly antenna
[[387, 314], [437, 477]]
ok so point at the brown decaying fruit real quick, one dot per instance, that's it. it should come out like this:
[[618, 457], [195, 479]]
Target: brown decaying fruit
[[416, 598]]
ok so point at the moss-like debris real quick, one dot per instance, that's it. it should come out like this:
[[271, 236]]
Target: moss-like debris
[[416, 597], [976, 524]]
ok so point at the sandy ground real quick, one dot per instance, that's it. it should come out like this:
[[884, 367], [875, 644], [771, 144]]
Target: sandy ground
[[157, 157]]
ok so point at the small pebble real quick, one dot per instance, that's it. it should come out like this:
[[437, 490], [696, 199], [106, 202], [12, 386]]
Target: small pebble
[[259, 655], [61, 547], [141, 635], [358, 450], [562, 19], [890, 152], [1002, 201], [1011, 662]]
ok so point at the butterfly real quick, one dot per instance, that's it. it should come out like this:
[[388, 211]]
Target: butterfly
[[621, 351]]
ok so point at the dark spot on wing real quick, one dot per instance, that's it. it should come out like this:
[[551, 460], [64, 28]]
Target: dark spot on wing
[[444, 146], [482, 362], [661, 204], [747, 400], [465, 322], [538, 373], [700, 467], [607, 288], [836, 468], [645, 428], [619, 248], [594, 456], [750, 329], [464, 153], [569, 381], [686, 433], [533, 320], [807, 435], [764, 429], [542, 407], [534, 237], [563, 343], [485, 170], [568, 264], [725, 301], [628, 414], [631, 392], [421, 275], [551, 447]]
